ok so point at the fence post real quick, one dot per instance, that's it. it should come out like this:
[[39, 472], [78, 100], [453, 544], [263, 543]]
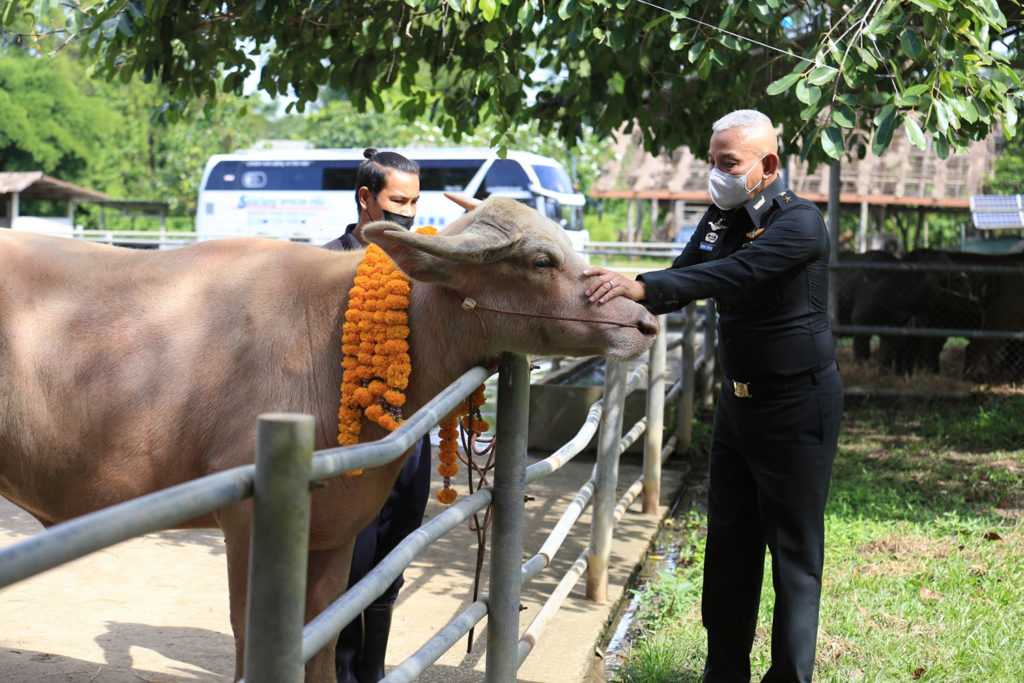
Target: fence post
[[278, 551], [507, 538], [688, 376], [710, 350], [654, 433], [607, 477]]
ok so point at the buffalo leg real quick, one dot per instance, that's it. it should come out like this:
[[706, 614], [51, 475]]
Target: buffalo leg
[[236, 522], [326, 578]]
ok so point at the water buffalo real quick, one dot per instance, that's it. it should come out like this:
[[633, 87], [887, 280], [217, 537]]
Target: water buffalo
[[858, 293], [125, 371]]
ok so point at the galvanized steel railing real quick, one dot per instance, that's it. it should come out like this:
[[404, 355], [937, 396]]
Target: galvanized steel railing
[[280, 480]]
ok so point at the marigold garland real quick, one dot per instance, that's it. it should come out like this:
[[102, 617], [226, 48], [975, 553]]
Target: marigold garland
[[375, 353], [466, 416], [376, 363]]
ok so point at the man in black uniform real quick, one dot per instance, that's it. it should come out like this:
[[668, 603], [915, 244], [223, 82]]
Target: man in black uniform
[[763, 254], [387, 188]]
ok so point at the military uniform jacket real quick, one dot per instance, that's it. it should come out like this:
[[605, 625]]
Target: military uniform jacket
[[766, 265]]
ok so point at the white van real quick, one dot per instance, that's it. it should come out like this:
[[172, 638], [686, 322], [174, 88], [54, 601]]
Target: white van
[[308, 195]]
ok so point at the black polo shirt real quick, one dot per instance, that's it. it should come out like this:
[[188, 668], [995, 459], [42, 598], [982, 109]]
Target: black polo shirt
[[766, 265], [345, 242]]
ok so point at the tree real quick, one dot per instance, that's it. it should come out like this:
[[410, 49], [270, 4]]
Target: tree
[[47, 122], [838, 76]]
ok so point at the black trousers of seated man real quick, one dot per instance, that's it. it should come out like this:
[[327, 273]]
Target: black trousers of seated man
[[769, 470], [359, 653]]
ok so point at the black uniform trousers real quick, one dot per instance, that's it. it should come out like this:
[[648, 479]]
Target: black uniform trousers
[[769, 470], [401, 515]]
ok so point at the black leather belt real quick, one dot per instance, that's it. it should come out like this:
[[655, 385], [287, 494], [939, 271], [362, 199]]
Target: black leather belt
[[767, 387]]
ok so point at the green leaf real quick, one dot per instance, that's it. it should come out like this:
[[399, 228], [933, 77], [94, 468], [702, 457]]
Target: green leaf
[[678, 42], [762, 11], [886, 112], [911, 44], [822, 75], [914, 133], [832, 142], [918, 89], [808, 94], [932, 5], [867, 58], [488, 8], [941, 146], [965, 108], [695, 51], [886, 127], [783, 84], [844, 115]]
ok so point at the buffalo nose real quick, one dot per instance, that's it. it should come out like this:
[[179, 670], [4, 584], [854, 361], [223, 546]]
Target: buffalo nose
[[648, 324]]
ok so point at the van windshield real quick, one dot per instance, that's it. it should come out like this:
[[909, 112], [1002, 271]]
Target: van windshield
[[554, 178]]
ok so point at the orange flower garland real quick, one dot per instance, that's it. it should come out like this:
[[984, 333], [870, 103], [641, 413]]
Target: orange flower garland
[[376, 363], [373, 342], [466, 416]]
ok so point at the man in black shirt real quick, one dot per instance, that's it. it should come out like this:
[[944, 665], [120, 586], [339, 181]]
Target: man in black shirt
[[387, 188], [763, 254]]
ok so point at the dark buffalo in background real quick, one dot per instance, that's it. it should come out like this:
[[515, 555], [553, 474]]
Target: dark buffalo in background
[[933, 294]]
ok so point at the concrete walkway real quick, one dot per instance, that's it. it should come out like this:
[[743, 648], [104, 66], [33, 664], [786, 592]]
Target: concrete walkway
[[156, 608]]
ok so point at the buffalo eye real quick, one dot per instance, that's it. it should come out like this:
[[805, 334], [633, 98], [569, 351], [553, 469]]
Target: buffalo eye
[[543, 263]]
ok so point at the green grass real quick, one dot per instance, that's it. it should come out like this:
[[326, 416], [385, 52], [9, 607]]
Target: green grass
[[924, 578]]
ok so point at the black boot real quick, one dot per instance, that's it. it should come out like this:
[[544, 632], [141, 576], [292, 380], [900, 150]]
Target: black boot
[[376, 627], [346, 652]]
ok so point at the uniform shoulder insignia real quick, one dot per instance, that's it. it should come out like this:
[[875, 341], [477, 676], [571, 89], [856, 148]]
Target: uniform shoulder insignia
[[784, 196]]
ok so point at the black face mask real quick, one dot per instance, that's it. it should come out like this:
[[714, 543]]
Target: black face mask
[[404, 221]]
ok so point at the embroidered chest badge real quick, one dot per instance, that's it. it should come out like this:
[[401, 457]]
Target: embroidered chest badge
[[754, 233]]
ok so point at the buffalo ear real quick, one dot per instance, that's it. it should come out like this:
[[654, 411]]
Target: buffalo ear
[[430, 258]]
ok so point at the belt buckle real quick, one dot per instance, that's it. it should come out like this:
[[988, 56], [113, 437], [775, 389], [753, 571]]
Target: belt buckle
[[741, 389]]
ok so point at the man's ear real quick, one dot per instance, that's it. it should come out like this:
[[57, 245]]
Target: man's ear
[[771, 164], [364, 196]]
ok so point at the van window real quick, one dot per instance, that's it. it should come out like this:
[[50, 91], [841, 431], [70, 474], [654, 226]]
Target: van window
[[554, 178], [505, 177], [283, 175], [447, 175]]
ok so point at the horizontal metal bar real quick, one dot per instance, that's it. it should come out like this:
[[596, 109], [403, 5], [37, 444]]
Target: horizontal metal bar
[[331, 462], [97, 530], [569, 449], [326, 625], [920, 267], [440, 643], [925, 332]]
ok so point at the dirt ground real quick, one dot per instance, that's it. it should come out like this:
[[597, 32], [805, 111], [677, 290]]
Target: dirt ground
[[151, 609], [156, 608]]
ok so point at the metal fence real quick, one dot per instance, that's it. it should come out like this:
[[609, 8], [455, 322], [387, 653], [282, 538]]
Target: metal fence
[[278, 644], [932, 308]]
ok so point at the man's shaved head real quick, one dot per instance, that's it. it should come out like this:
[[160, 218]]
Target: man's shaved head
[[758, 131]]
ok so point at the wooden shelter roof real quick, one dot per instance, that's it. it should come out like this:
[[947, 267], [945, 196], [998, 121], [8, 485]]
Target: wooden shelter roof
[[37, 185], [903, 176]]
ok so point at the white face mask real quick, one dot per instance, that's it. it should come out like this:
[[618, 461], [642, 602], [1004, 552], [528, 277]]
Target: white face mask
[[729, 191]]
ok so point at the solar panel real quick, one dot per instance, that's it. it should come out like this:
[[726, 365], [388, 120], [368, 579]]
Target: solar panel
[[997, 202], [993, 220], [996, 211]]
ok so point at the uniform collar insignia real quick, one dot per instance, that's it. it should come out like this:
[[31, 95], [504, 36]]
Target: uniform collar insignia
[[759, 203]]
